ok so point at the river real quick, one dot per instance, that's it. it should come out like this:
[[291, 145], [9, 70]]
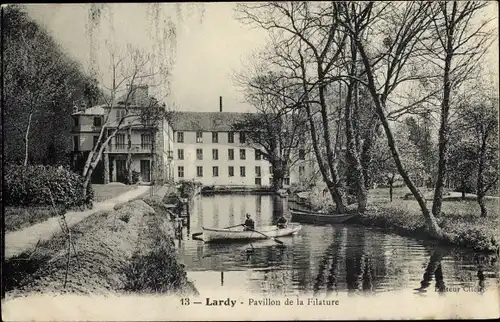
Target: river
[[323, 259]]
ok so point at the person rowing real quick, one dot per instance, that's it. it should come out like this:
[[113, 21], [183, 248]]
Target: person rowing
[[249, 223], [282, 222]]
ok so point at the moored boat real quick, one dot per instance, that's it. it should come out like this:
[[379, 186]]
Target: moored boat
[[315, 217], [238, 234]]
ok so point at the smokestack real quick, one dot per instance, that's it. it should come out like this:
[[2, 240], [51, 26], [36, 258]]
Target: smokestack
[[220, 103]]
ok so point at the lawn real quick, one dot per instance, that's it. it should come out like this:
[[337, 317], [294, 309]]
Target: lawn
[[108, 191], [20, 217]]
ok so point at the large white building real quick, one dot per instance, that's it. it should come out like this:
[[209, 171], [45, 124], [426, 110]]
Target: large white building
[[200, 146]]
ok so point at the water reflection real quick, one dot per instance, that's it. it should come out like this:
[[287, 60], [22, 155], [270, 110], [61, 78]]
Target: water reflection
[[326, 259]]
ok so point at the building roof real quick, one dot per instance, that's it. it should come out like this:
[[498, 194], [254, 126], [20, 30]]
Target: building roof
[[206, 121], [94, 110]]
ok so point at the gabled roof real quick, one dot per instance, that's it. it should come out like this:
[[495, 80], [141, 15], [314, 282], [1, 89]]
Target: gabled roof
[[94, 110], [206, 121]]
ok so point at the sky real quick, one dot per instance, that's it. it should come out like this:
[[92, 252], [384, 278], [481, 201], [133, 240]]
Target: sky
[[209, 48]]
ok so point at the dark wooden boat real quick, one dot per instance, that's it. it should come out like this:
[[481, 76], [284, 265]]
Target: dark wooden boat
[[314, 217]]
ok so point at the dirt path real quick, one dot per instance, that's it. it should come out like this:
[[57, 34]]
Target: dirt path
[[26, 239]]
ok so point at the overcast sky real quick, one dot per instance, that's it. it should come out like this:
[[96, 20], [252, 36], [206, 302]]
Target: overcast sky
[[210, 44]]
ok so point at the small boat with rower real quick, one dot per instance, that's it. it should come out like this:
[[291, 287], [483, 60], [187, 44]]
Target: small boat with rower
[[239, 234]]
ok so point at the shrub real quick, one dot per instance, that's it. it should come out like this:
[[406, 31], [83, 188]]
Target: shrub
[[29, 186], [136, 177]]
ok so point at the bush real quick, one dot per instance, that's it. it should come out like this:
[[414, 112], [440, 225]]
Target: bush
[[29, 186], [136, 177], [188, 188]]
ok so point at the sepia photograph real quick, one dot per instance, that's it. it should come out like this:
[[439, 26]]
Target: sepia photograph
[[210, 161]]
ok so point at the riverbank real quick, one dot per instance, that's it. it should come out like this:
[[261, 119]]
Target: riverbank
[[460, 221], [127, 250]]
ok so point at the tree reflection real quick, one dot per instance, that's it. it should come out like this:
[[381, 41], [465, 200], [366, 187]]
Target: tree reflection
[[331, 256], [433, 269]]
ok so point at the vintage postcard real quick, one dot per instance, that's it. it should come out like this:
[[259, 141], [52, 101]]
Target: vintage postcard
[[246, 161]]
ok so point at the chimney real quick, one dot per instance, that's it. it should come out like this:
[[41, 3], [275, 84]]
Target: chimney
[[220, 103]]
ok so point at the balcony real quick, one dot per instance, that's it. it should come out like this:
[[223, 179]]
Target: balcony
[[134, 148]]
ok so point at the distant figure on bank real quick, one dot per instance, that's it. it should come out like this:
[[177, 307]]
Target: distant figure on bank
[[281, 223], [249, 223]]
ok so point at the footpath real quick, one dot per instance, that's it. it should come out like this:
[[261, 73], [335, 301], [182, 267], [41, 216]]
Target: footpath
[[26, 239]]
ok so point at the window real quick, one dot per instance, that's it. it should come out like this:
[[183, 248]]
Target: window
[[145, 141], [258, 181], [180, 154], [215, 154], [230, 171], [230, 137], [199, 137], [180, 172], [230, 154], [76, 143], [180, 137], [302, 154], [242, 172], [242, 137], [257, 171], [77, 120], [243, 154], [215, 171], [120, 114], [96, 138], [97, 121], [120, 141], [287, 181], [301, 171], [215, 137], [258, 155], [199, 171], [199, 154]]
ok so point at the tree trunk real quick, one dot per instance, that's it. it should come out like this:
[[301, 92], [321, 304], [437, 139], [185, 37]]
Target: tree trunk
[[26, 140], [463, 189], [129, 155], [480, 178], [352, 153], [443, 139], [153, 173], [391, 183], [333, 184], [430, 220]]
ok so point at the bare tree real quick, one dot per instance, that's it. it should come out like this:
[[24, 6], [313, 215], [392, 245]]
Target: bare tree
[[306, 42], [455, 48], [278, 128], [123, 112], [400, 27]]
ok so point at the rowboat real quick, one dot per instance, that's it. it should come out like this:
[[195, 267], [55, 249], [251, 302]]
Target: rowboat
[[315, 217], [238, 234]]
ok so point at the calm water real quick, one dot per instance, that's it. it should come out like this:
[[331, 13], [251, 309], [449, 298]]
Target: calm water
[[322, 259]]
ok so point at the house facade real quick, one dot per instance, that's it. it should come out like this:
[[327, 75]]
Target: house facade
[[150, 147], [206, 149]]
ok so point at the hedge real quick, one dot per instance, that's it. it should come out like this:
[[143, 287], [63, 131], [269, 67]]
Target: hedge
[[27, 186]]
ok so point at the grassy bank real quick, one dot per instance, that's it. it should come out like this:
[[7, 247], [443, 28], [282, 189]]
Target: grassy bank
[[460, 220], [21, 217], [123, 251]]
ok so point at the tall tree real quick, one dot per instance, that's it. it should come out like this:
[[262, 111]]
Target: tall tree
[[278, 129], [456, 47], [400, 26], [41, 87], [306, 42]]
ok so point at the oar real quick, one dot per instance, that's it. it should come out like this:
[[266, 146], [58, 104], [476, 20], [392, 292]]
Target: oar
[[269, 237]]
